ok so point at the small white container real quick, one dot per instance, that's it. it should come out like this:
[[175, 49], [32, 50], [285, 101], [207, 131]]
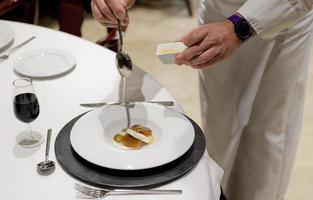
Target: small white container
[[167, 52]]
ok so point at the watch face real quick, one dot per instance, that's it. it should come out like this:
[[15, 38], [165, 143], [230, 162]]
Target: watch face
[[243, 29]]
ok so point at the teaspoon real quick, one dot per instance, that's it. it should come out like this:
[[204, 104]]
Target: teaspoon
[[47, 166]]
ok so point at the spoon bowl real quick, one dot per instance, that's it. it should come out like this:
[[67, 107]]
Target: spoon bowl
[[46, 165], [124, 64]]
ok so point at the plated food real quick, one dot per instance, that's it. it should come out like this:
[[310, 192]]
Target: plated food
[[134, 137], [92, 136]]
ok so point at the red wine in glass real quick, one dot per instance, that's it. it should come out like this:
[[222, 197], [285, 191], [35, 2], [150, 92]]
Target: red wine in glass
[[26, 107]]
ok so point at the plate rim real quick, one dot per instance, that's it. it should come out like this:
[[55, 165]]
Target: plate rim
[[138, 166], [65, 53]]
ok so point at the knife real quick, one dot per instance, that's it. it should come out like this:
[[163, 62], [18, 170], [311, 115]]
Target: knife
[[92, 105]]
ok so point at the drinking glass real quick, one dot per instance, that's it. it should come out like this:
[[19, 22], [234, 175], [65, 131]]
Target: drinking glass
[[26, 109]]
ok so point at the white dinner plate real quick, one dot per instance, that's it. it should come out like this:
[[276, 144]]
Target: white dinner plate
[[44, 63], [6, 35], [92, 136]]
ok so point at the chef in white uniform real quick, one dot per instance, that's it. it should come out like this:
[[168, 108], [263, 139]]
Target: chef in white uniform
[[252, 57]]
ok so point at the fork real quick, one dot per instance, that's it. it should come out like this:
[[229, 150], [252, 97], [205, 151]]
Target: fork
[[102, 193], [6, 55]]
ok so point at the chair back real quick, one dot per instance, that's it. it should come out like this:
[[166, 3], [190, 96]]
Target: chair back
[[27, 12]]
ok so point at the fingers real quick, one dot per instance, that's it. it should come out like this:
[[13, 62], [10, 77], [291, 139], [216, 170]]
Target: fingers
[[207, 64], [208, 44], [190, 53], [118, 8], [193, 37], [100, 17], [193, 40], [205, 57], [97, 13], [106, 11], [130, 3]]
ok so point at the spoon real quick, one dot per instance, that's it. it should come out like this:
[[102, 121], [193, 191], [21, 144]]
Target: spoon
[[123, 62], [47, 166]]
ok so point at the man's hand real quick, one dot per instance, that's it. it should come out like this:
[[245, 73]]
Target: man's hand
[[106, 11], [208, 44]]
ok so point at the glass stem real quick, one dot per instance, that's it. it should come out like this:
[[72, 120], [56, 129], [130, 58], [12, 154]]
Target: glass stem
[[29, 131]]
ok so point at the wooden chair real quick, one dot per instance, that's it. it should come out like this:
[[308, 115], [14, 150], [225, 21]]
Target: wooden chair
[[29, 7], [71, 16], [189, 7]]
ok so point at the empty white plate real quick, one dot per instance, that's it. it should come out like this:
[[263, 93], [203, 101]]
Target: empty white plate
[[92, 136], [6, 35], [44, 63]]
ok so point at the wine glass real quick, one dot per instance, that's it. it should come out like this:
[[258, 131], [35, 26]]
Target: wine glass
[[26, 109]]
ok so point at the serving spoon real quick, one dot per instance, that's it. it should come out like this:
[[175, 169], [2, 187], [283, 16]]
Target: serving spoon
[[123, 62], [47, 166]]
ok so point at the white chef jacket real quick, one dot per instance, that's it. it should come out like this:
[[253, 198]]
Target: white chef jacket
[[251, 103]]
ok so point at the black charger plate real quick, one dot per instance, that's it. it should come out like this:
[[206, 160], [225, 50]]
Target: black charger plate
[[98, 176]]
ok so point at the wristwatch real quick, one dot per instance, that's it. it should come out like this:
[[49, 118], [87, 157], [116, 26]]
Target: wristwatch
[[243, 29]]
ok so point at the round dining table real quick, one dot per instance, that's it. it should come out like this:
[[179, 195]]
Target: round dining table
[[93, 79]]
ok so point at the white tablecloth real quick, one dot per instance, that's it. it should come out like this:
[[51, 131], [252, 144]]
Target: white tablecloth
[[94, 79]]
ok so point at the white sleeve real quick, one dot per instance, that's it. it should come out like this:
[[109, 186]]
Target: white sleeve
[[269, 17]]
